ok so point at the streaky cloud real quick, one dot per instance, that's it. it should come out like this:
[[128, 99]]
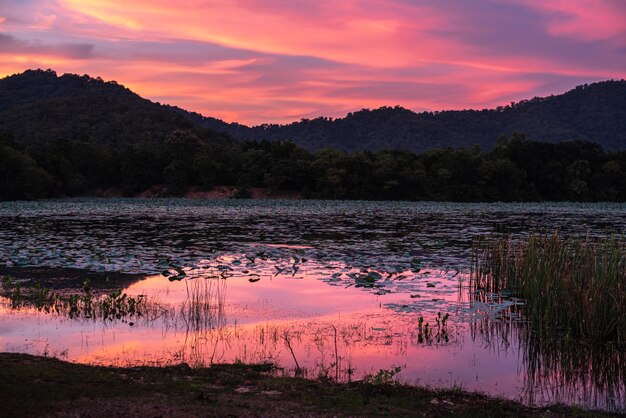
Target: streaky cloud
[[257, 61]]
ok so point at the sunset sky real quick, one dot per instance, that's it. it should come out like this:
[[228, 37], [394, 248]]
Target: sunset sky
[[278, 61]]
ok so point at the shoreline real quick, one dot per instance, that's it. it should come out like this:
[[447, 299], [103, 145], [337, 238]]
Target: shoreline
[[61, 389], [261, 195]]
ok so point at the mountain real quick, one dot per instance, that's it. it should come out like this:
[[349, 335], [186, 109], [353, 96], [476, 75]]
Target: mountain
[[75, 135], [594, 112], [39, 106]]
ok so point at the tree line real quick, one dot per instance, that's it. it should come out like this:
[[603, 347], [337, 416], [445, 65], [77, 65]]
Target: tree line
[[514, 170]]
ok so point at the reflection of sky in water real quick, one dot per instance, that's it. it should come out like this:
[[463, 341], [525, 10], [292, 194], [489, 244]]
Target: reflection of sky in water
[[256, 317], [312, 259], [250, 321]]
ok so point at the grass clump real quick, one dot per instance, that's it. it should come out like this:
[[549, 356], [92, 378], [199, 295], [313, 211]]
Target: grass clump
[[114, 306], [572, 285]]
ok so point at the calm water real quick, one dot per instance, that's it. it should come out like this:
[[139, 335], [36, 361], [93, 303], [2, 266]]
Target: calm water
[[336, 289]]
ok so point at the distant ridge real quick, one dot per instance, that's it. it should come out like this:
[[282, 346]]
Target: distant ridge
[[39, 105], [594, 112]]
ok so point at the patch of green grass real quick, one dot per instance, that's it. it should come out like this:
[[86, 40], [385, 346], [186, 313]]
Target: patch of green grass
[[34, 386]]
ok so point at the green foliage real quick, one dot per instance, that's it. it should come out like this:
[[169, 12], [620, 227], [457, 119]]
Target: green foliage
[[75, 135], [517, 171], [438, 333], [37, 106], [575, 286], [53, 385], [383, 376], [21, 177]]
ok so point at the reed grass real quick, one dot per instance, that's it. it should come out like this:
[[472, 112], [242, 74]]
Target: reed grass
[[86, 305], [203, 309], [571, 285]]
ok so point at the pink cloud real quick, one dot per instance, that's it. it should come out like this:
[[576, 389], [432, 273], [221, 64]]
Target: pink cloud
[[276, 61], [351, 32], [591, 20]]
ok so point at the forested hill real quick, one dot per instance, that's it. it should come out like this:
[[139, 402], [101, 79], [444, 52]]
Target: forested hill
[[595, 112], [38, 106], [75, 136]]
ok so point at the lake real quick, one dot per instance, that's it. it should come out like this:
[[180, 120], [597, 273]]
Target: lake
[[324, 289]]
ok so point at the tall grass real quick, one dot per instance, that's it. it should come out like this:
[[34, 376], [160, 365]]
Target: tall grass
[[571, 285], [203, 309]]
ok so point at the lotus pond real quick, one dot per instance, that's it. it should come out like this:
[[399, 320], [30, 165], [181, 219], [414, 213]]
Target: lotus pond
[[331, 290]]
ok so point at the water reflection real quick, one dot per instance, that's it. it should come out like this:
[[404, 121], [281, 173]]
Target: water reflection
[[563, 369], [558, 369], [309, 325], [343, 292]]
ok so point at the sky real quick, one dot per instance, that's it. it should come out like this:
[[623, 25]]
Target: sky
[[276, 61]]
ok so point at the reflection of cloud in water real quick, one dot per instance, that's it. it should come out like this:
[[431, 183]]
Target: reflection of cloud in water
[[209, 319], [330, 270]]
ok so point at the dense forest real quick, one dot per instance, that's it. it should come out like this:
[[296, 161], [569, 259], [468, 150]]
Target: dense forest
[[515, 170], [75, 136], [594, 112]]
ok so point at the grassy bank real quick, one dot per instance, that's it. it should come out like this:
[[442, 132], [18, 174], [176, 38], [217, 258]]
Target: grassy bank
[[39, 386]]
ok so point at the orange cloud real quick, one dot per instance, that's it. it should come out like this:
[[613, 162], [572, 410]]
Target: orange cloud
[[354, 32], [275, 61]]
